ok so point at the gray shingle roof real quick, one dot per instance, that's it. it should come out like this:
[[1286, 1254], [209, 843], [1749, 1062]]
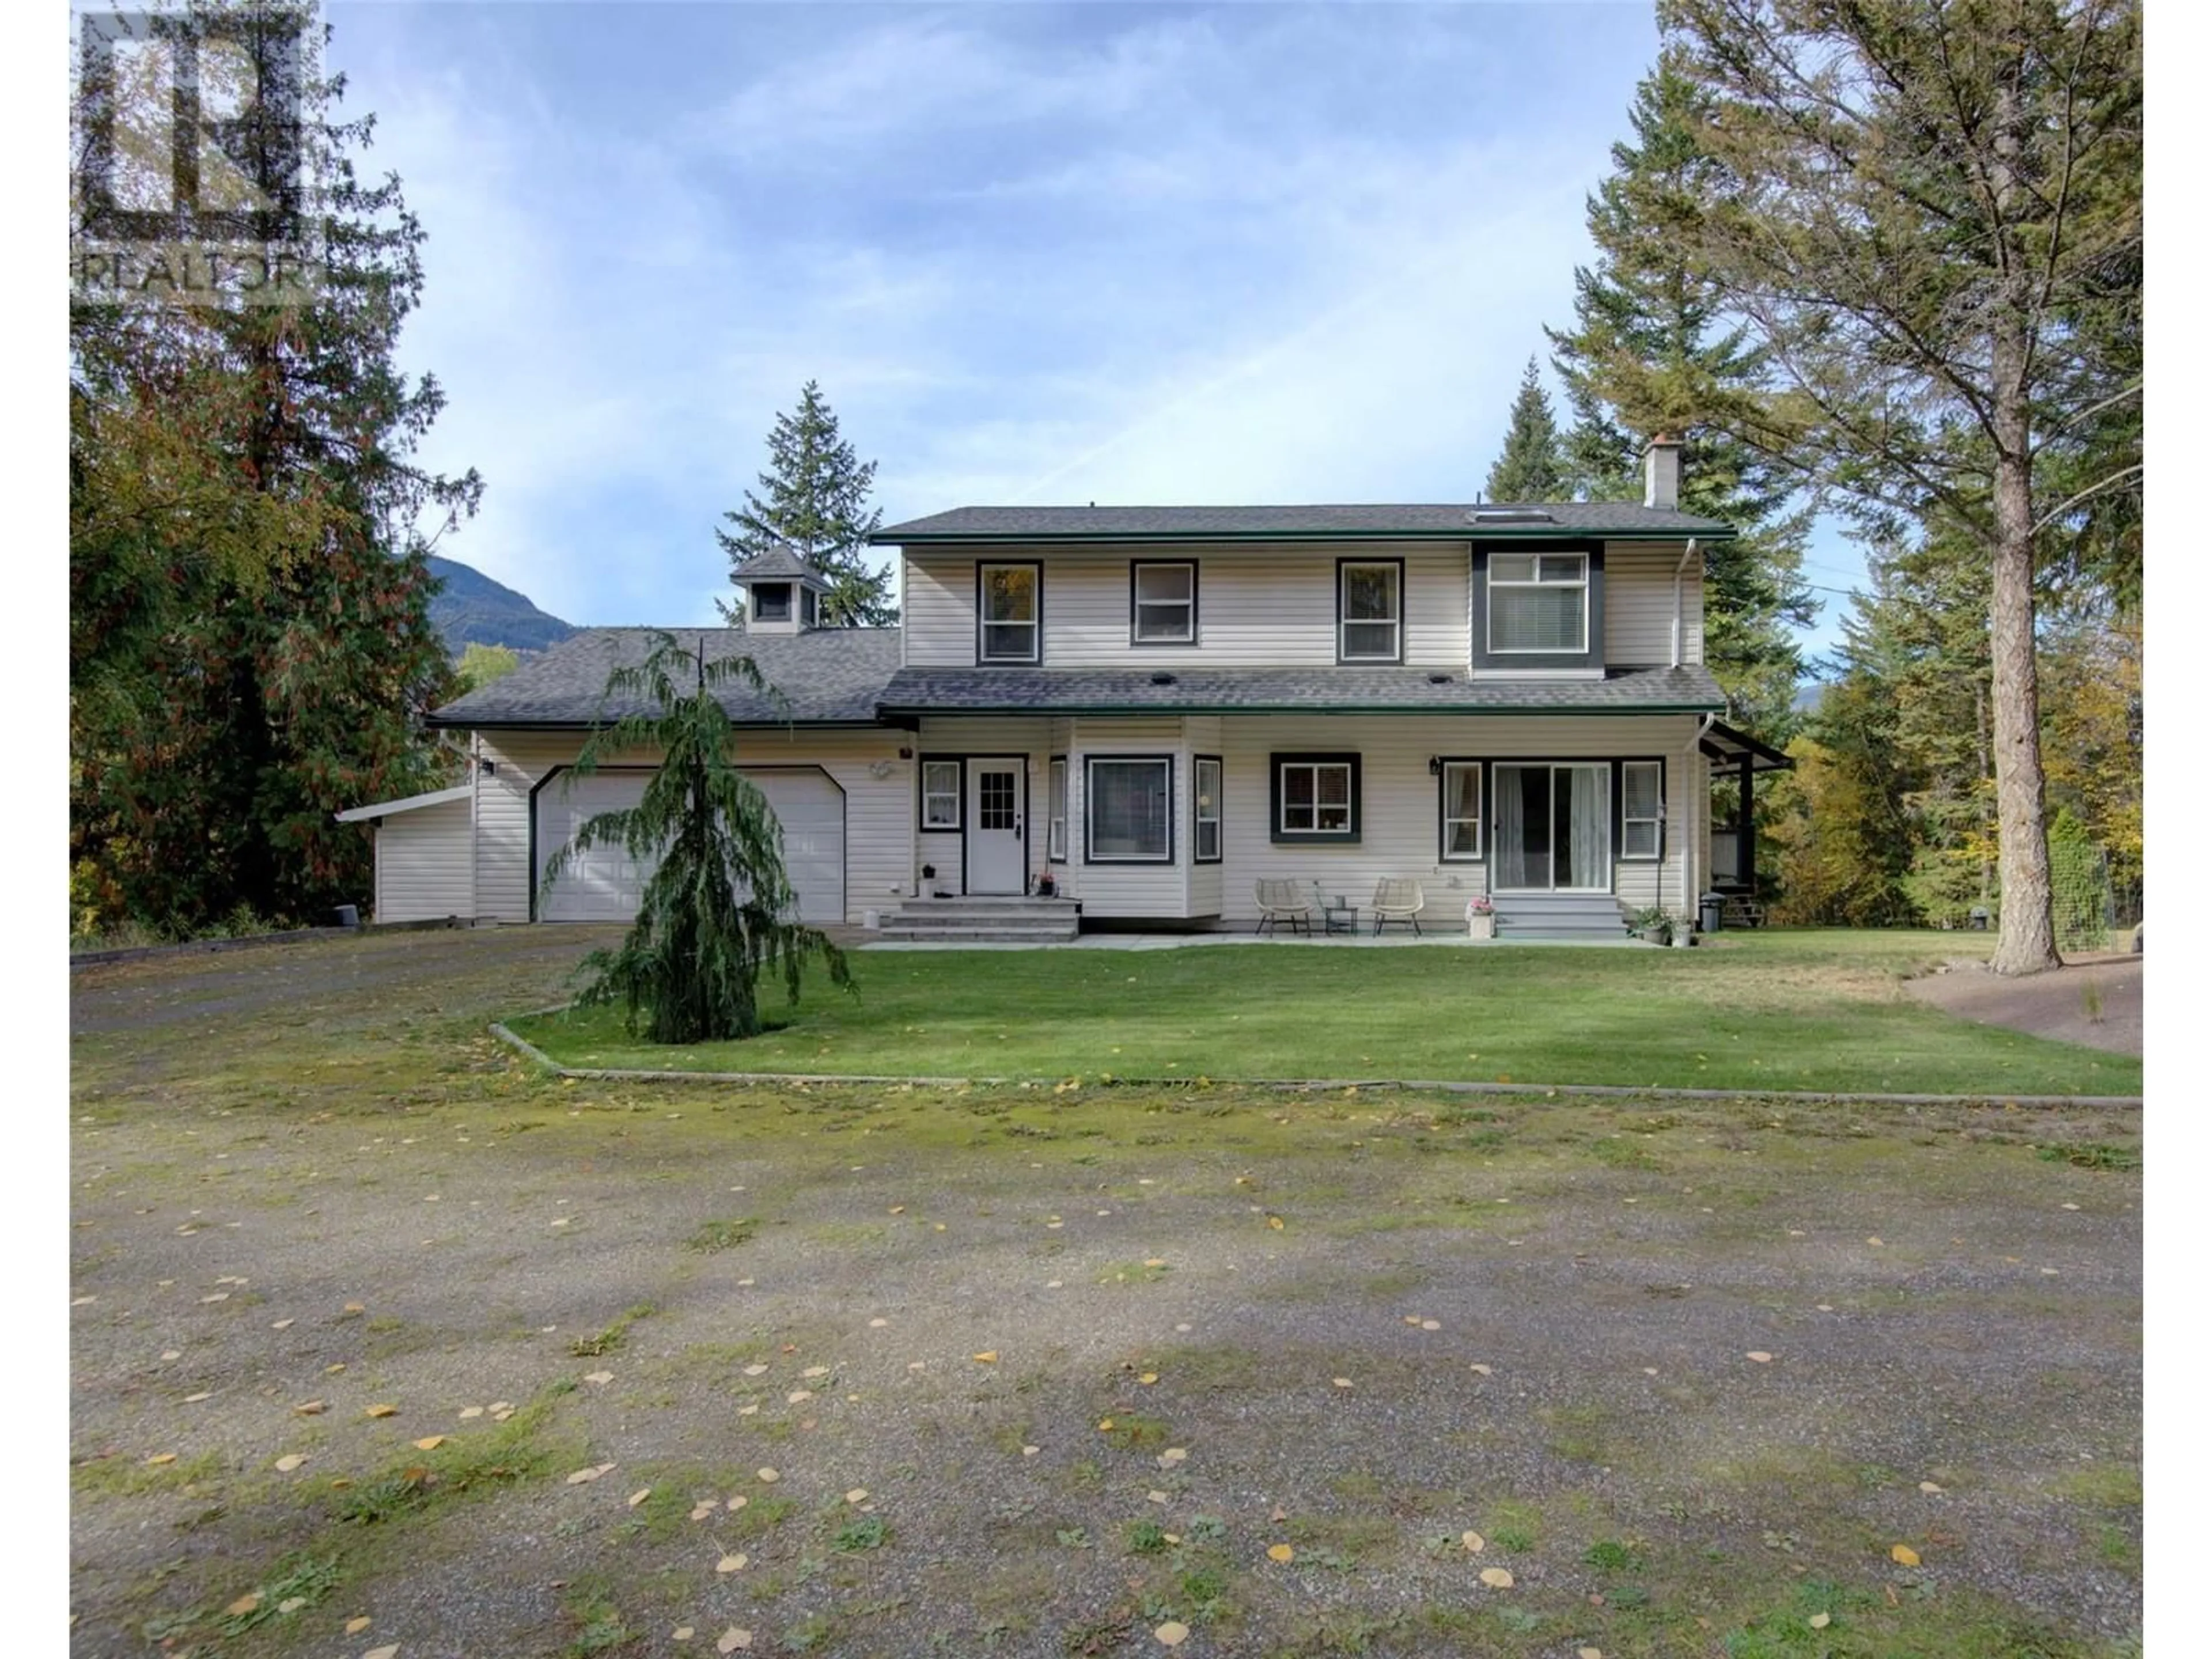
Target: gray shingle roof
[[779, 562], [1306, 690], [831, 676], [1454, 522]]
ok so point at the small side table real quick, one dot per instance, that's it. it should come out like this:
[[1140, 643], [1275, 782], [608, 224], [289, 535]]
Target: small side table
[[1339, 918]]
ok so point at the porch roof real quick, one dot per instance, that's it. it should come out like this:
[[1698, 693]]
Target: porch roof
[[1732, 748], [1326, 690]]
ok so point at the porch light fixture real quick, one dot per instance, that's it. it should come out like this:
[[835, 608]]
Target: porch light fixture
[[1435, 766], [486, 765], [905, 752]]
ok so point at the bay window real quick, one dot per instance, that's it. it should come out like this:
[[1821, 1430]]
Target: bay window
[[1127, 811]]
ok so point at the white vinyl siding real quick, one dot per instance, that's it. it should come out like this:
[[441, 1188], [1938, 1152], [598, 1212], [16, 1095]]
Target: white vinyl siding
[[1639, 605], [1399, 819], [879, 812], [422, 871], [1259, 605]]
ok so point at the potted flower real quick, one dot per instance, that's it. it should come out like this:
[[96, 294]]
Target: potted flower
[[1482, 918], [1654, 926], [929, 881], [1045, 886]]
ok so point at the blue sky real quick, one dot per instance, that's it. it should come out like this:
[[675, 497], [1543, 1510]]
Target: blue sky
[[1112, 252]]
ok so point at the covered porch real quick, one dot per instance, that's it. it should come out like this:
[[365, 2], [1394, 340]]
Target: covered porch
[[1736, 759]]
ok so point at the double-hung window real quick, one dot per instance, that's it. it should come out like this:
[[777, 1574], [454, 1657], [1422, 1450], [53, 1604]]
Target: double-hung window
[[1369, 619], [772, 601], [1462, 809], [1642, 808], [1162, 604], [1126, 811], [940, 794], [1055, 841], [1314, 797], [1009, 612], [1206, 811], [1539, 603]]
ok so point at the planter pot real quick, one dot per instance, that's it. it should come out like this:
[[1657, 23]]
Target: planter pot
[[1655, 935], [1482, 926]]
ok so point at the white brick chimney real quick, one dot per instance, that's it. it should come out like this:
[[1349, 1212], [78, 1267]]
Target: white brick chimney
[[1663, 473]]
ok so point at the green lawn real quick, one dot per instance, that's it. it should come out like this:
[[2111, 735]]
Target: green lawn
[[1775, 1010]]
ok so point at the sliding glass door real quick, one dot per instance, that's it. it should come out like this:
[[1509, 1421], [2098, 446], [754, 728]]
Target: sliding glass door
[[1552, 830]]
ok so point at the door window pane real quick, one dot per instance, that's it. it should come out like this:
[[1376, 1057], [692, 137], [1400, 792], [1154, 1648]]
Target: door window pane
[[995, 799]]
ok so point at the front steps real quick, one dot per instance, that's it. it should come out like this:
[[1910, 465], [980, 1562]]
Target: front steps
[[982, 920], [1558, 915]]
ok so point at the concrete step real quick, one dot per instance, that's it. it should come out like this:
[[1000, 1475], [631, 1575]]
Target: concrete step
[[936, 926], [988, 904]]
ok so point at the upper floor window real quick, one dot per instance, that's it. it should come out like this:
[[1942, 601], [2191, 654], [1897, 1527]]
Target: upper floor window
[[1162, 604], [1009, 610], [1539, 602], [1369, 619], [772, 601]]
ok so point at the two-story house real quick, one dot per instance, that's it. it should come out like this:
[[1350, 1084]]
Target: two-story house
[[1161, 707]]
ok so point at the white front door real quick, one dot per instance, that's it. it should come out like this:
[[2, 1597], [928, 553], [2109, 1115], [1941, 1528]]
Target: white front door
[[997, 853]]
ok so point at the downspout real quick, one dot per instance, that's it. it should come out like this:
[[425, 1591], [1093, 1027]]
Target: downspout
[[476, 813], [1690, 833], [1689, 552]]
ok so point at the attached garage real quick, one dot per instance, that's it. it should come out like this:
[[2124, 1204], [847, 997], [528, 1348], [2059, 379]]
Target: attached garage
[[605, 883]]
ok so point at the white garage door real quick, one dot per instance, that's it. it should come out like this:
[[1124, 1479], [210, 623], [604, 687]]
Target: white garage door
[[606, 883]]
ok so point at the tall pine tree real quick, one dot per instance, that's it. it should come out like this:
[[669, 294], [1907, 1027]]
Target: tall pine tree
[[277, 671], [1530, 467], [1651, 351], [1929, 215], [814, 496]]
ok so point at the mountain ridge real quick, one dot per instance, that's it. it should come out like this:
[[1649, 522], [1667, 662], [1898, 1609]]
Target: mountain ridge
[[470, 609]]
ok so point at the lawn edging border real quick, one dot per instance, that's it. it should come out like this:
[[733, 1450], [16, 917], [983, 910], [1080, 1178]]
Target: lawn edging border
[[1603, 1091], [199, 947]]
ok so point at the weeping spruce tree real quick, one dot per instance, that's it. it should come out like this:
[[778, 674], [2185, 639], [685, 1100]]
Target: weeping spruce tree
[[714, 916]]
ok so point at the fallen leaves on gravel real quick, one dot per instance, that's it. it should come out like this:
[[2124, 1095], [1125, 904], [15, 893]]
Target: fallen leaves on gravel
[[289, 1461], [1904, 1555], [1480, 1370], [593, 1473], [1173, 1456], [1497, 1578], [596, 1378], [1472, 1540], [1929, 1487], [1759, 1357], [733, 1640], [390, 1650], [857, 1495], [1589, 1653], [381, 1411], [354, 1626], [682, 1633], [730, 1563], [1819, 1621], [1280, 1553], [988, 1357], [767, 1477], [309, 1409], [1172, 1634], [430, 1443], [640, 1496]]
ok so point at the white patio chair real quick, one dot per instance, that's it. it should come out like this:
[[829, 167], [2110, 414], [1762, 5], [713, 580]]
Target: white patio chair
[[1280, 901], [1398, 900]]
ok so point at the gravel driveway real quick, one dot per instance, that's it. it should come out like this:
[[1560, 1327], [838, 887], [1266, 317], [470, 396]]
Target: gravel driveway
[[899, 1371]]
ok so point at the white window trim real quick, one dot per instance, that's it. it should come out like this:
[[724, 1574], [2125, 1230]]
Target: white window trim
[[1188, 604], [985, 622], [1090, 765], [1282, 790], [1444, 853], [1395, 620], [1657, 821], [1490, 606], [931, 825], [1201, 818], [1055, 835]]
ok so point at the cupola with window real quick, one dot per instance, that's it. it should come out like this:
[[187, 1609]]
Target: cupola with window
[[783, 593]]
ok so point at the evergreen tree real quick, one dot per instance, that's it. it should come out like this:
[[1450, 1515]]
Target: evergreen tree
[[1928, 215], [276, 671], [1530, 467], [814, 496], [1650, 352], [714, 915]]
